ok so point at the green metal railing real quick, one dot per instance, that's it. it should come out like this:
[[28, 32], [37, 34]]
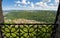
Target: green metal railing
[[27, 31]]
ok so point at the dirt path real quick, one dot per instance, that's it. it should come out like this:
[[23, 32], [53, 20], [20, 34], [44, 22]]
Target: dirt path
[[22, 21]]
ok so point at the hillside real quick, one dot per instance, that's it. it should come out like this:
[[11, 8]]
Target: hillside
[[39, 16]]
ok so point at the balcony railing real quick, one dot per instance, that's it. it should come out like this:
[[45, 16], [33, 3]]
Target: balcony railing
[[28, 30]]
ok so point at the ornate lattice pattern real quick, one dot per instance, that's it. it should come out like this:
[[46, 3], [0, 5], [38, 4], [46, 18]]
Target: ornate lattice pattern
[[27, 31]]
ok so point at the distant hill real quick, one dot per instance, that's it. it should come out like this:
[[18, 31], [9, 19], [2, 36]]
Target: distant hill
[[41, 16]]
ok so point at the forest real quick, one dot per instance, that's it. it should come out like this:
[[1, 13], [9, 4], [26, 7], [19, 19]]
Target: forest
[[40, 16]]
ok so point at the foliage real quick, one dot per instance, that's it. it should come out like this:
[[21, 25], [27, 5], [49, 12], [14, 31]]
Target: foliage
[[41, 16]]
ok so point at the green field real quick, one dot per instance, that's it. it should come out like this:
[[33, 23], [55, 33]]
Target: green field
[[37, 15]]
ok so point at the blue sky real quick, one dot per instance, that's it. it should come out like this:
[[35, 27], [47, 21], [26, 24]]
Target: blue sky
[[30, 4]]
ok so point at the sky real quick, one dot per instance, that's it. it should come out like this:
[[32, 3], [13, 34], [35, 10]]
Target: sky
[[30, 4]]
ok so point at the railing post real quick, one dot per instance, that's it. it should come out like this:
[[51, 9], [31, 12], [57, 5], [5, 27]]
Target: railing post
[[58, 22], [1, 17]]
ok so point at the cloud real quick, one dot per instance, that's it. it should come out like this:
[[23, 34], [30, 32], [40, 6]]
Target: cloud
[[32, 5], [57, 1], [46, 1], [45, 6], [17, 2], [41, 4], [24, 2], [53, 7], [38, 5], [19, 5], [28, 2], [51, 4]]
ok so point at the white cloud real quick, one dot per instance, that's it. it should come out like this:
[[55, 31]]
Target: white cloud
[[46, 1], [28, 2], [32, 5], [37, 6], [17, 2], [53, 7], [17, 5], [24, 2], [55, 4], [41, 4], [45, 6], [51, 4], [57, 1]]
